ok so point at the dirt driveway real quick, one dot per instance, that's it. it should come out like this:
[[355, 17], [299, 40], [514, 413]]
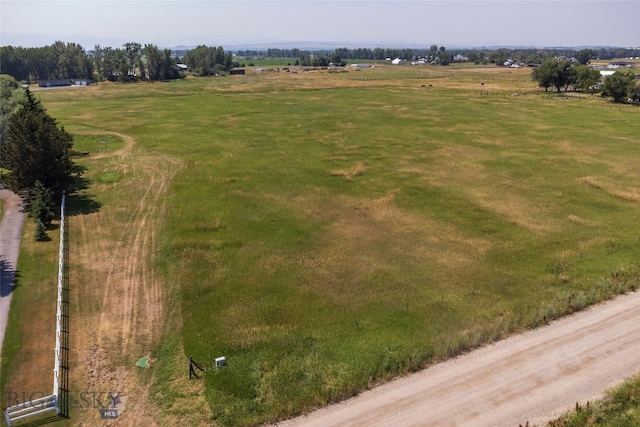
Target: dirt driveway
[[10, 233], [531, 377]]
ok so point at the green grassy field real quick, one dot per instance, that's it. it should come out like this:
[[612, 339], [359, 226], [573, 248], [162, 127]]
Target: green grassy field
[[619, 408], [329, 231], [266, 61]]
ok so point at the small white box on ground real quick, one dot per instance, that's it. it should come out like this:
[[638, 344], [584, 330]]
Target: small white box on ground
[[220, 362]]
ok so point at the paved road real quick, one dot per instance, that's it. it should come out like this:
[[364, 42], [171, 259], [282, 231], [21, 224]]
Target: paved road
[[10, 233], [531, 377]]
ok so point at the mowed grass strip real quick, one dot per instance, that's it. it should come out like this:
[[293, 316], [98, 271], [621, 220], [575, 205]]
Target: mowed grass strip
[[30, 335], [326, 240]]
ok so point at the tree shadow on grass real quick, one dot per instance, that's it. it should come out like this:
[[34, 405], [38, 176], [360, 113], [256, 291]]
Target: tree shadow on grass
[[81, 202], [8, 278]]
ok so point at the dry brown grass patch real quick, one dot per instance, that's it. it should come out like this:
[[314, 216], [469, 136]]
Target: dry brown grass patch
[[368, 235], [356, 170], [631, 194], [113, 250], [581, 221]]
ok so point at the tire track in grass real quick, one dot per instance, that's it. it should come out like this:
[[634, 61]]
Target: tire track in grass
[[125, 298]]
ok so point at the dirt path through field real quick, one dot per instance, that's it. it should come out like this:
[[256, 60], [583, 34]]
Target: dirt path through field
[[118, 302], [129, 143], [531, 377]]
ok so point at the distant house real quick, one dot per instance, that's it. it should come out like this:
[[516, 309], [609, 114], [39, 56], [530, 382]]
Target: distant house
[[54, 82], [621, 64], [82, 82], [182, 67]]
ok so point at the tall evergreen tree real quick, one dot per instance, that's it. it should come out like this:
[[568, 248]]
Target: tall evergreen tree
[[37, 150], [41, 208]]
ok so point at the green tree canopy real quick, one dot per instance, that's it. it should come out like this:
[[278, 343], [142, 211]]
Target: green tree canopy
[[37, 150], [619, 85], [635, 94], [584, 56], [207, 61], [586, 77], [10, 97], [41, 208], [554, 72]]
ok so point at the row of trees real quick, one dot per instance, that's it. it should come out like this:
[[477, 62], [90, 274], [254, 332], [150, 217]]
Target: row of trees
[[442, 56], [490, 55], [445, 56], [564, 75], [324, 57], [318, 60], [58, 61], [71, 61], [133, 61], [35, 154], [375, 54], [207, 61], [36, 149]]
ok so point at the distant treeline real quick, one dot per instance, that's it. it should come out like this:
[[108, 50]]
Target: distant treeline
[[134, 61], [494, 56], [71, 61]]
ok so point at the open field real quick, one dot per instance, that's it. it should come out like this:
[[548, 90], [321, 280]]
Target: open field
[[265, 61], [326, 231]]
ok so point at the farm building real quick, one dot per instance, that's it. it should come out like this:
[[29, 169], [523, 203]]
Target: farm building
[[54, 82], [621, 64]]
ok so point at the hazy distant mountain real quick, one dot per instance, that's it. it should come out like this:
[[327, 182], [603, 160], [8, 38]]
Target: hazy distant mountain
[[186, 43], [191, 42], [39, 40]]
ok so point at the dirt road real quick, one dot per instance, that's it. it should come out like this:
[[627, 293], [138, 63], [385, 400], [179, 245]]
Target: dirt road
[[530, 377], [10, 234]]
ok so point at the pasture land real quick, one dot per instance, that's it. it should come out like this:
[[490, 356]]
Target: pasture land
[[328, 231], [266, 61]]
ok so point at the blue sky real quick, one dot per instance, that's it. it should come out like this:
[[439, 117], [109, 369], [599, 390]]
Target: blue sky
[[537, 23]]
